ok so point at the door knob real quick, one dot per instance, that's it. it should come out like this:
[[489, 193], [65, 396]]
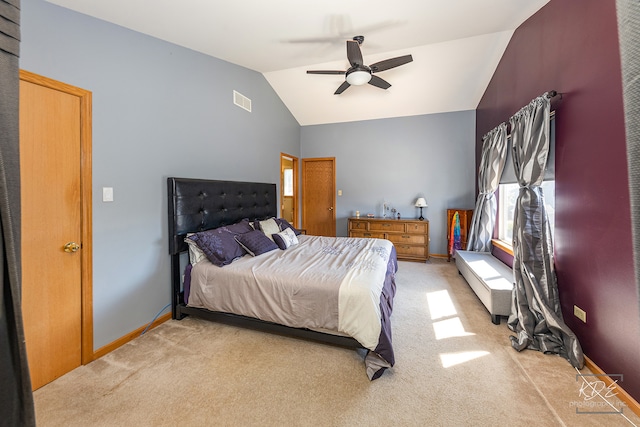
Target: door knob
[[71, 247], [331, 208]]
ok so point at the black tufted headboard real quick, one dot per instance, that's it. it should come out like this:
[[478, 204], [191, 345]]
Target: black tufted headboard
[[198, 204]]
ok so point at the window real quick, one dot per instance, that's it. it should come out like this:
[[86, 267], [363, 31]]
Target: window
[[288, 182], [507, 195], [508, 192]]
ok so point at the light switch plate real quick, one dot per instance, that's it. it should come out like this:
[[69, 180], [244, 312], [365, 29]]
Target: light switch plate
[[107, 194]]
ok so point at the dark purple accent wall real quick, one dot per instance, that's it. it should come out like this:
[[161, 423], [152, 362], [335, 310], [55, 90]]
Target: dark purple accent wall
[[572, 47], [502, 255]]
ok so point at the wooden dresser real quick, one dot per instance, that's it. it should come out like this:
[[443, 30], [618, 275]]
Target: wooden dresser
[[409, 236], [466, 216]]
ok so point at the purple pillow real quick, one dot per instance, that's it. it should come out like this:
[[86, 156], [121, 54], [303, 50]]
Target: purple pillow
[[256, 243], [283, 223], [219, 244]]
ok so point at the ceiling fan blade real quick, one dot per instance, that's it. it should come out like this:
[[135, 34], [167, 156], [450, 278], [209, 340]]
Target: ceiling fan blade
[[342, 88], [325, 72], [329, 39], [378, 82], [390, 63], [354, 54]]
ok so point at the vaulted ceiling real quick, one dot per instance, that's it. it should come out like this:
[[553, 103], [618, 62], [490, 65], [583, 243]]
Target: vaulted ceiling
[[455, 44]]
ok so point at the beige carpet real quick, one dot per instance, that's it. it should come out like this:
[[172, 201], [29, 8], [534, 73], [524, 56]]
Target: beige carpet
[[453, 368]]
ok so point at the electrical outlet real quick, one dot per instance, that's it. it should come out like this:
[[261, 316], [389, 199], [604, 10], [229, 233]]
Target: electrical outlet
[[580, 313]]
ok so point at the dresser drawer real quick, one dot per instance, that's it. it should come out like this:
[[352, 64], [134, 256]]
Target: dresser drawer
[[408, 239], [420, 228], [357, 225], [366, 234], [411, 251], [386, 226]]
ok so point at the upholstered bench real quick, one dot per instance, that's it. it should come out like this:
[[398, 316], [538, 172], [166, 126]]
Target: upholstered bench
[[490, 279]]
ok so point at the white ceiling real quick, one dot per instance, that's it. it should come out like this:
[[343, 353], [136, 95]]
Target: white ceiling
[[456, 46]]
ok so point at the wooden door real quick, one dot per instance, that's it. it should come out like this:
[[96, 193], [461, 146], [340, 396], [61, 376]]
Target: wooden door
[[55, 240], [319, 196]]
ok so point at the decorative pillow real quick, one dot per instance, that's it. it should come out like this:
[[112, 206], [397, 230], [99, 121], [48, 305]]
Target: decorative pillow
[[285, 238], [283, 224], [255, 242], [219, 244], [195, 253], [268, 227]]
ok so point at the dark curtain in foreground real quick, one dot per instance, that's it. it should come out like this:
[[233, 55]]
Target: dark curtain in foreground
[[629, 35], [536, 315], [16, 400]]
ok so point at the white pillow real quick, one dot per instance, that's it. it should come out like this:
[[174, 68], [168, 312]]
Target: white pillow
[[269, 227], [195, 253], [285, 239]]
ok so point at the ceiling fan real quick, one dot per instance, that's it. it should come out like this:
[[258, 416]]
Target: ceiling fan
[[358, 73]]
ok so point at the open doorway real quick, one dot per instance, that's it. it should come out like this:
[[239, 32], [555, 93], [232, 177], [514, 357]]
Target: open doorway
[[289, 188]]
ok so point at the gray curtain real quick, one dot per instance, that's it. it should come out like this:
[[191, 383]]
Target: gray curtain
[[536, 315], [16, 400], [629, 34], [494, 154]]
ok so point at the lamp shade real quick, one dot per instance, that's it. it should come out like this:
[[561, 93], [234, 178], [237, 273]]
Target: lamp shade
[[421, 202]]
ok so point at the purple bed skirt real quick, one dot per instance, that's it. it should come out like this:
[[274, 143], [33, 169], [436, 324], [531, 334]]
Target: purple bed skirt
[[384, 348]]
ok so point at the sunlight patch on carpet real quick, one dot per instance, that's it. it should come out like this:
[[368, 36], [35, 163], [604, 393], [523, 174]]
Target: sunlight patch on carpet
[[450, 328], [440, 304], [452, 359]]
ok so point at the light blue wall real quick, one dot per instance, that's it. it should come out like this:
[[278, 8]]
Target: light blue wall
[[397, 160], [159, 110]]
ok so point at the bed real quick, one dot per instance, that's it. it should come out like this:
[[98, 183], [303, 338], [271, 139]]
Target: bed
[[335, 290]]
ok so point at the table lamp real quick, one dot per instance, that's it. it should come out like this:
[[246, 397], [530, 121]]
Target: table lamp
[[421, 203]]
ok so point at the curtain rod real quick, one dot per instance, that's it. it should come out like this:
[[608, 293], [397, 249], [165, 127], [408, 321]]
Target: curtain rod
[[553, 94], [550, 95]]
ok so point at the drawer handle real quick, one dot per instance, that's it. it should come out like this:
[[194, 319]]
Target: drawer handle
[[406, 237], [386, 225], [367, 234]]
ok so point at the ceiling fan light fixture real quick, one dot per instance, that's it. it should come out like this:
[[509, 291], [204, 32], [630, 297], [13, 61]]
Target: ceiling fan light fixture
[[358, 77], [359, 74]]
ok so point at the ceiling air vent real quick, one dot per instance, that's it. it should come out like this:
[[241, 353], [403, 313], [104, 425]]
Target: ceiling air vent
[[241, 101]]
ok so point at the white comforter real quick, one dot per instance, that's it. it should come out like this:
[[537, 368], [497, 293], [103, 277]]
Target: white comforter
[[323, 283]]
